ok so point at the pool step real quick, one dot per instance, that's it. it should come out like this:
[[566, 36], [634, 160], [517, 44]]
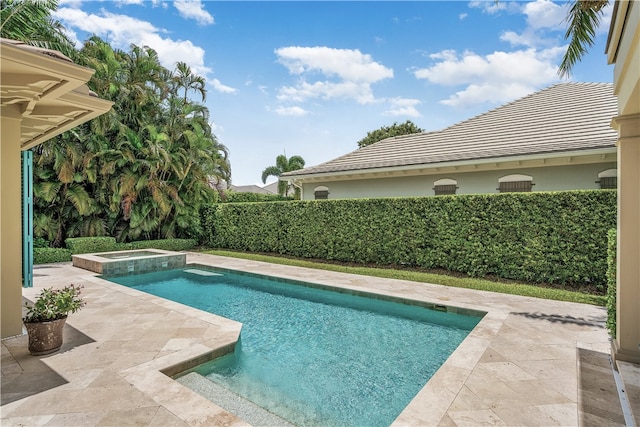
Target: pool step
[[255, 415], [202, 272]]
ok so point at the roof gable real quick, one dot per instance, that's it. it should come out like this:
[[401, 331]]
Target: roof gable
[[562, 118]]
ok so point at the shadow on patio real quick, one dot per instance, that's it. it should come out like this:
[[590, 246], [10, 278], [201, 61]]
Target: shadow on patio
[[24, 375]]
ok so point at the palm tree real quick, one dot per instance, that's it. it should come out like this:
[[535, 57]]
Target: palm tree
[[184, 78], [583, 19], [283, 165], [30, 21]]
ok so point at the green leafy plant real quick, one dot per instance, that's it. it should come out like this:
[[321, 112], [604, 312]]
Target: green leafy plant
[[49, 255], [611, 283], [54, 304]]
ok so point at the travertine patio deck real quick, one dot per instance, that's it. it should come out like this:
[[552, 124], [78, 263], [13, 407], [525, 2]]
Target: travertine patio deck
[[528, 362]]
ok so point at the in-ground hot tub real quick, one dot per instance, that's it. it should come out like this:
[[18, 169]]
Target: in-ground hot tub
[[130, 262]]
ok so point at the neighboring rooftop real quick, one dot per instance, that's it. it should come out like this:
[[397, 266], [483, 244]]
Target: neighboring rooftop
[[267, 189], [565, 117]]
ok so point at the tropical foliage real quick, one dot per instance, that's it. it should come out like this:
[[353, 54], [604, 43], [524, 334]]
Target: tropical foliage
[[384, 132], [30, 21], [140, 171], [284, 164]]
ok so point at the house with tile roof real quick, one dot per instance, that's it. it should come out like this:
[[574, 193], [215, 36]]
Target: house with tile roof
[[559, 138]]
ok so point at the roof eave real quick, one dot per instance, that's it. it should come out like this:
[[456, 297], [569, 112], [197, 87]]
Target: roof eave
[[596, 155], [47, 92]]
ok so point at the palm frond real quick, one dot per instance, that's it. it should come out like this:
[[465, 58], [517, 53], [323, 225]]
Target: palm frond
[[583, 19]]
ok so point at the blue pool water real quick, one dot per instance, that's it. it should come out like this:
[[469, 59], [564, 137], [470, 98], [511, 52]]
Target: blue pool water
[[312, 356]]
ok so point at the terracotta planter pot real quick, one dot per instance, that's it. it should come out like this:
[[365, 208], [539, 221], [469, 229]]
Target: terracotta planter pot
[[45, 337]]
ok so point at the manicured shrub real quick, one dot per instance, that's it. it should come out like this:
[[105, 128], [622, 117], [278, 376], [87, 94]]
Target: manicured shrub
[[611, 282], [165, 244], [49, 255], [233, 197], [87, 245], [554, 237], [40, 242]]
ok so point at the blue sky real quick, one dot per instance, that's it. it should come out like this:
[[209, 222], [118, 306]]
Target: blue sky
[[312, 78]]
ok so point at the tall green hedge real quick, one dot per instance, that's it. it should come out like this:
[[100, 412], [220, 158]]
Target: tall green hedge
[[164, 244], [611, 282], [556, 237], [233, 197], [87, 245]]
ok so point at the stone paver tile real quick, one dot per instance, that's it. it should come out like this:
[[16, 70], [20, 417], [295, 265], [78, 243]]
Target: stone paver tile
[[490, 355], [27, 384], [177, 344], [467, 400], [506, 371], [529, 416], [537, 392], [469, 352], [497, 393], [131, 417], [476, 418], [446, 421], [76, 419], [547, 369], [109, 379], [49, 402], [190, 332], [34, 421], [417, 414], [450, 378], [80, 378], [164, 418], [598, 420], [563, 414], [104, 399], [568, 387]]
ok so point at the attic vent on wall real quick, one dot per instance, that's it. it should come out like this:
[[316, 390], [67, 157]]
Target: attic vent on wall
[[515, 183], [445, 186], [608, 179], [321, 193]]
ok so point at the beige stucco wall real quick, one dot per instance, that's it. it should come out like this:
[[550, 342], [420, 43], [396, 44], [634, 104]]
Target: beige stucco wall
[[10, 220], [554, 178], [623, 50], [42, 95]]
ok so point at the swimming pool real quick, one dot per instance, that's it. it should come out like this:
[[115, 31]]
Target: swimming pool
[[312, 356]]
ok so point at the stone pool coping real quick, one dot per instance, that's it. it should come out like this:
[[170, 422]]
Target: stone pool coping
[[147, 261], [520, 365]]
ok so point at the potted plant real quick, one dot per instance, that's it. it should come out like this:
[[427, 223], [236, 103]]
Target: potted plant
[[46, 317]]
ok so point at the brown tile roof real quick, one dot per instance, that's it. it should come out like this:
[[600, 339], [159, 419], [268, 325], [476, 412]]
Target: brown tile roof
[[564, 117]]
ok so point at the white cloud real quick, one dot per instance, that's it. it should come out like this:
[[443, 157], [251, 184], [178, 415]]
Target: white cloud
[[348, 64], [291, 111], [463, 16], [495, 78], [492, 7], [193, 9], [403, 107], [545, 14], [217, 85], [122, 30], [344, 73], [128, 2], [502, 76], [544, 18], [70, 3], [361, 92]]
